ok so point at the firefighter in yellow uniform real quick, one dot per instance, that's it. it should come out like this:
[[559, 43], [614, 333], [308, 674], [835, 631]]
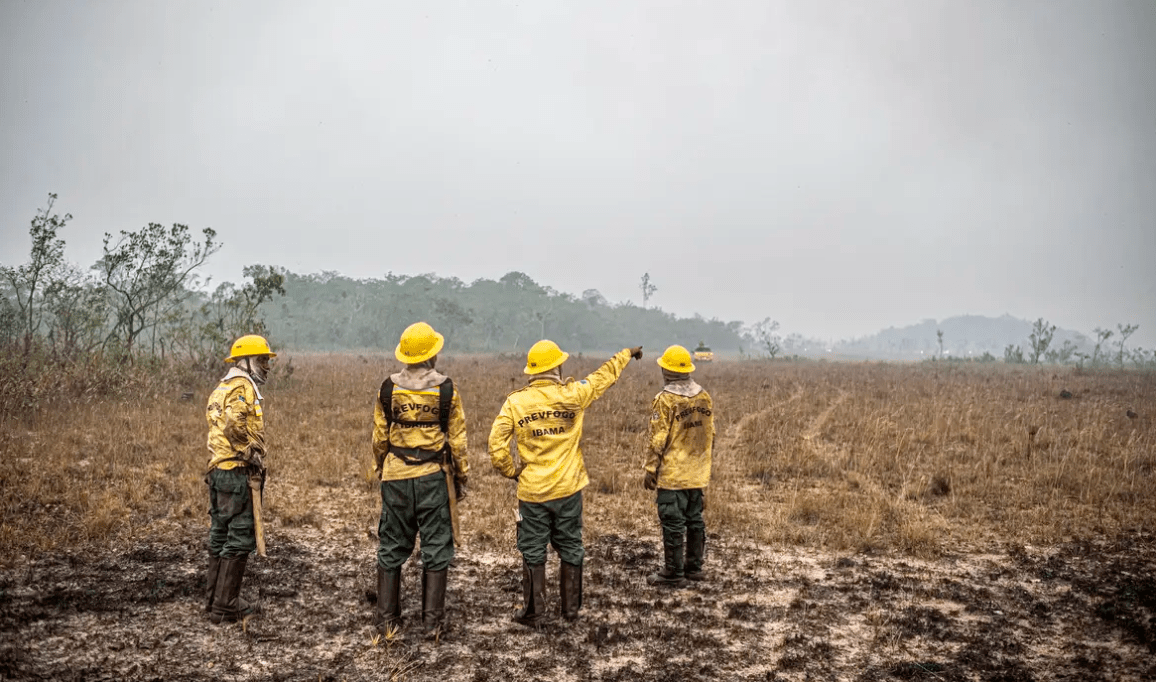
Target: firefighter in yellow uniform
[[419, 444], [545, 419], [236, 454], [681, 437]]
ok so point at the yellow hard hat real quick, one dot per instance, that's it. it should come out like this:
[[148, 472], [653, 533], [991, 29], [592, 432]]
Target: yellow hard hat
[[676, 359], [544, 356], [250, 344], [419, 342]]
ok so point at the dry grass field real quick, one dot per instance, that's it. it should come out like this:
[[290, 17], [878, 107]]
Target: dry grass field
[[866, 522]]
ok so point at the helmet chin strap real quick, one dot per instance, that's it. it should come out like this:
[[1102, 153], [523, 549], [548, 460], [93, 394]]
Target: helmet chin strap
[[424, 364], [252, 369]]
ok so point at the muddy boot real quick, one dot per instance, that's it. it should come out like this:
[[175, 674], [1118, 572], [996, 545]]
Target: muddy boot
[[695, 552], [388, 611], [433, 610], [211, 581], [227, 603], [671, 574], [571, 590], [534, 589]]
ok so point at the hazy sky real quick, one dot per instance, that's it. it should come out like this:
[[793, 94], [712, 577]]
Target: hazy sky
[[838, 166]]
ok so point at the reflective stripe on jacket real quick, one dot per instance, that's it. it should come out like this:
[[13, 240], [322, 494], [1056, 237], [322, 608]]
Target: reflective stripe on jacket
[[421, 406], [545, 419], [236, 420], [681, 433]]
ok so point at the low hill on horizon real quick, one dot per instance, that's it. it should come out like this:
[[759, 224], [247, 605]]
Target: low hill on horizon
[[331, 312], [963, 336]]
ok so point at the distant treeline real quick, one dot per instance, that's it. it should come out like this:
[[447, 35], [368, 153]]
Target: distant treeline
[[143, 304], [328, 311]]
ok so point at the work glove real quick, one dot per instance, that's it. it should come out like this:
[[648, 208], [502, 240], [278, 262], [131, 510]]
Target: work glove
[[518, 472], [460, 487], [253, 457], [651, 480], [636, 352]]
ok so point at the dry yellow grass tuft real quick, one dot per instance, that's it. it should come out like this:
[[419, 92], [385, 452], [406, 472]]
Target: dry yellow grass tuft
[[919, 459]]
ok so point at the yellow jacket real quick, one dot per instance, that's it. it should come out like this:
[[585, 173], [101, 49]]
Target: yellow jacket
[[545, 419], [415, 399], [681, 437], [236, 421]]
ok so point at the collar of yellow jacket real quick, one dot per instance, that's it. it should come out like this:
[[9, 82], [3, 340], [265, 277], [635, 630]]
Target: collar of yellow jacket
[[688, 388], [418, 378], [552, 375], [235, 372]]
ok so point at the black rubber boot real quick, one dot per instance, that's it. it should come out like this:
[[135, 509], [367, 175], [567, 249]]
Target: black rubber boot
[[570, 584], [695, 554], [388, 611], [211, 581], [671, 574], [227, 603], [534, 589], [433, 611]]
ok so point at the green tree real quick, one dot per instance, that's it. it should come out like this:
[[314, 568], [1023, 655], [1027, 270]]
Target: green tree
[[648, 288], [520, 280], [198, 334], [146, 271], [1040, 339], [78, 309], [1125, 330], [265, 281], [10, 323], [27, 282], [332, 312], [1102, 336], [1013, 355], [593, 298], [1143, 358], [1063, 354], [451, 316], [765, 334]]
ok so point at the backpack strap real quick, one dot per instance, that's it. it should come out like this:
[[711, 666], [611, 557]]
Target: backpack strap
[[385, 396], [445, 403]]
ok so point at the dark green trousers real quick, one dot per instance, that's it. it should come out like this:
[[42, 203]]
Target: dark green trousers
[[679, 511], [555, 522], [415, 505], [232, 531]]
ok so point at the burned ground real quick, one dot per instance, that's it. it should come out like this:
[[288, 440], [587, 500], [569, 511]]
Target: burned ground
[[1080, 611], [866, 522]]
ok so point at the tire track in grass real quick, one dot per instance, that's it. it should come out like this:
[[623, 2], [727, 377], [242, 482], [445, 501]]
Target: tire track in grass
[[836, 456], [729, 441], [832, 453], [727, 469], [816, 426]]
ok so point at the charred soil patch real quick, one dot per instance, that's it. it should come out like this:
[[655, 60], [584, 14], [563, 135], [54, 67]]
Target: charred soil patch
[[1083, 610], [865, 521]]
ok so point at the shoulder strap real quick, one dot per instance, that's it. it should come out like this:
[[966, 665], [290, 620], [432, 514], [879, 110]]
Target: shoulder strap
[[386, 398], [445, 403]]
